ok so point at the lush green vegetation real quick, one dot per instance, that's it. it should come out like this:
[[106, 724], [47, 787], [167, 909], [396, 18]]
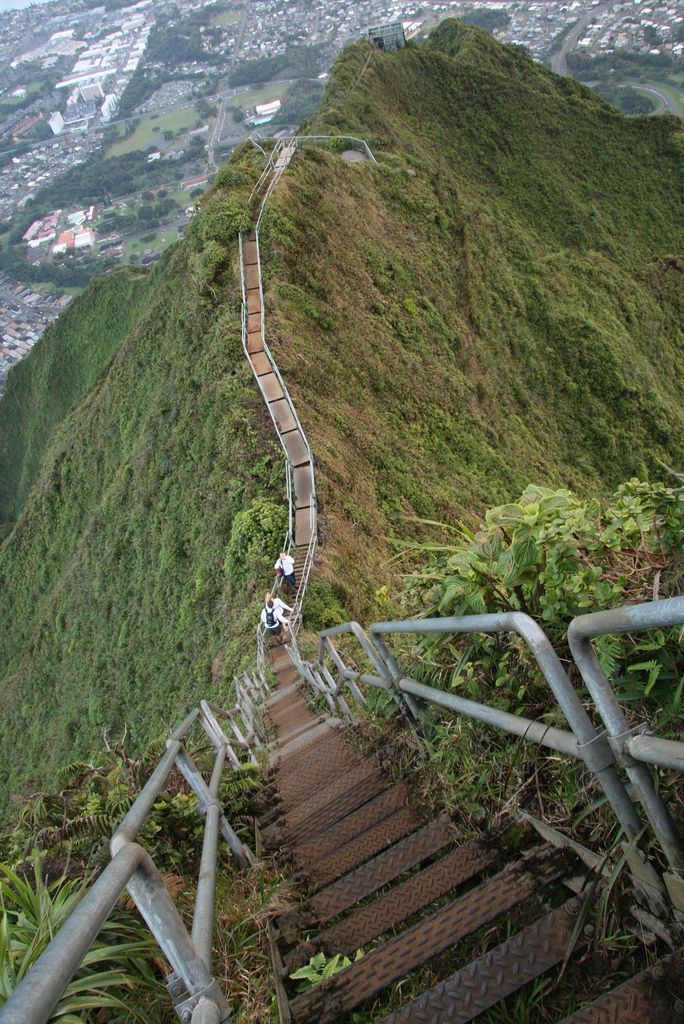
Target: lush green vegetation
[[60, 842], [627, 99], [497, 300], [65, 365], [498, 296], [297, 60], [555, 556], [117, 606]]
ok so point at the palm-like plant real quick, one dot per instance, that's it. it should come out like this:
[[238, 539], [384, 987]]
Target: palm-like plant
[[32, 912]]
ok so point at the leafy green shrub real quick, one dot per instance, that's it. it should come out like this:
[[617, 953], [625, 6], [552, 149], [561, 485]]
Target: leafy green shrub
[[32, 911], [555, 556], [256, 538], [323, 606]]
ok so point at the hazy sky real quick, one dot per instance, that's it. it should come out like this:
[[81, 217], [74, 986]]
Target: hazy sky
[[14, 5]]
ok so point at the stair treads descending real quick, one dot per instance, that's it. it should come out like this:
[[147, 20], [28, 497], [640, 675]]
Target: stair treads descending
[[314, 768], [321, 801], [635, 1002], [418, 891], [249, 253], [428, 937], [339, 806], [383, 869], [377, 838], [497, 974], [352, 824]]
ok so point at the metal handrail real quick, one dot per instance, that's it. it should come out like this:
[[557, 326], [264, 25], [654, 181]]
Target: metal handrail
[[602, 753], [192, 986], [632, 749]]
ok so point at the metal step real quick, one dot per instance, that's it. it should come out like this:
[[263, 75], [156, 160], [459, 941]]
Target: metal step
[[653, 995], [383, 869], [377, 838], [429, 937], [497, 974], [353, 824], [417, 892]]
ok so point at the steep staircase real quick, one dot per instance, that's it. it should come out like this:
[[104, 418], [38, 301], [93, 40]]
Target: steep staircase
[[378, 874]]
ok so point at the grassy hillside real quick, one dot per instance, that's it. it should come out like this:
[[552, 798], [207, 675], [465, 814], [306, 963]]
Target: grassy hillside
[[116, 606], [498, 301], [63, 368]]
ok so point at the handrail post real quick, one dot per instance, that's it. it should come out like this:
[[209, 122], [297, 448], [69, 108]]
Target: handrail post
[[623, 620], [203, 919], [595, 749], [193, 777], [150, 896]]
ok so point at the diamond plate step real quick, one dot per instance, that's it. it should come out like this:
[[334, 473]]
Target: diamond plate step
[[429, 937], [353, 824], [478, 987], [345, 782], [343, 804], [364, 881], [645, 997], [421, 889], [377, 838]]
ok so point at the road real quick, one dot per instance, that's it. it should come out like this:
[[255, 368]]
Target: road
[[666, 101], [559, 62]]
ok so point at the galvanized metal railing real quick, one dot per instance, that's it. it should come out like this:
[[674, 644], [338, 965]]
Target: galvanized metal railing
[[606, 753], [196, 995]]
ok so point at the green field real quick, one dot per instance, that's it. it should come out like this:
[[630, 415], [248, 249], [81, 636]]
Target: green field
[[275, 91], [153, 128], [225, 18], [162, 240]]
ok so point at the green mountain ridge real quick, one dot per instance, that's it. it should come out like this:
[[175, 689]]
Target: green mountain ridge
[[498, 300]]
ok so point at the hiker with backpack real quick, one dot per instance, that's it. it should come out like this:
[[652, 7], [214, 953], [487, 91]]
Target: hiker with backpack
[[272, 617], [285, 567]]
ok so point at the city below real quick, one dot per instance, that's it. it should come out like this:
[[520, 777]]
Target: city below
[[114, 116]]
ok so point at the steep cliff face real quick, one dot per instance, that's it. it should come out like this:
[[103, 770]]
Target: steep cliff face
[[497, 300]]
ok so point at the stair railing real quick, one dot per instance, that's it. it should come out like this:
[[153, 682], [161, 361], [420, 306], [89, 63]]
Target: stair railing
[[276, 165], [195, 993], [603, 753]]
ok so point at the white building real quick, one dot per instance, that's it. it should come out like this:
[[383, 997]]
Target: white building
[[268, 109], [85, 239], [108, 107], [56, 122]]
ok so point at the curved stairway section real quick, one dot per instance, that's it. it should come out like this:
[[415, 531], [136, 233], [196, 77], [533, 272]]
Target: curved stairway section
[[301, 487]]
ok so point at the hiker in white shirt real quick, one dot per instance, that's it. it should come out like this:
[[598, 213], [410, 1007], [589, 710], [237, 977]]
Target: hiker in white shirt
[[272, 617], [278, 602], [285, 567]]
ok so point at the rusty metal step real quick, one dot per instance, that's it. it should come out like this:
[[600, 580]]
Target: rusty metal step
[[383, 869], [315, 767], [648, 996], [321, 800], [343, 804], [377, 838], [407, 898], [353, 824], [496, 975], [429, 937]]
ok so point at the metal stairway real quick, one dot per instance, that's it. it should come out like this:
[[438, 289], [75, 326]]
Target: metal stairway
[[377, 875]]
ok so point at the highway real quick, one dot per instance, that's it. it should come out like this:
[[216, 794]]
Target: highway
[[559, 62]]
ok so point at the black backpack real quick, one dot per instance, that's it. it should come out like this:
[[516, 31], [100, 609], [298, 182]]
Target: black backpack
[[270, 617]]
